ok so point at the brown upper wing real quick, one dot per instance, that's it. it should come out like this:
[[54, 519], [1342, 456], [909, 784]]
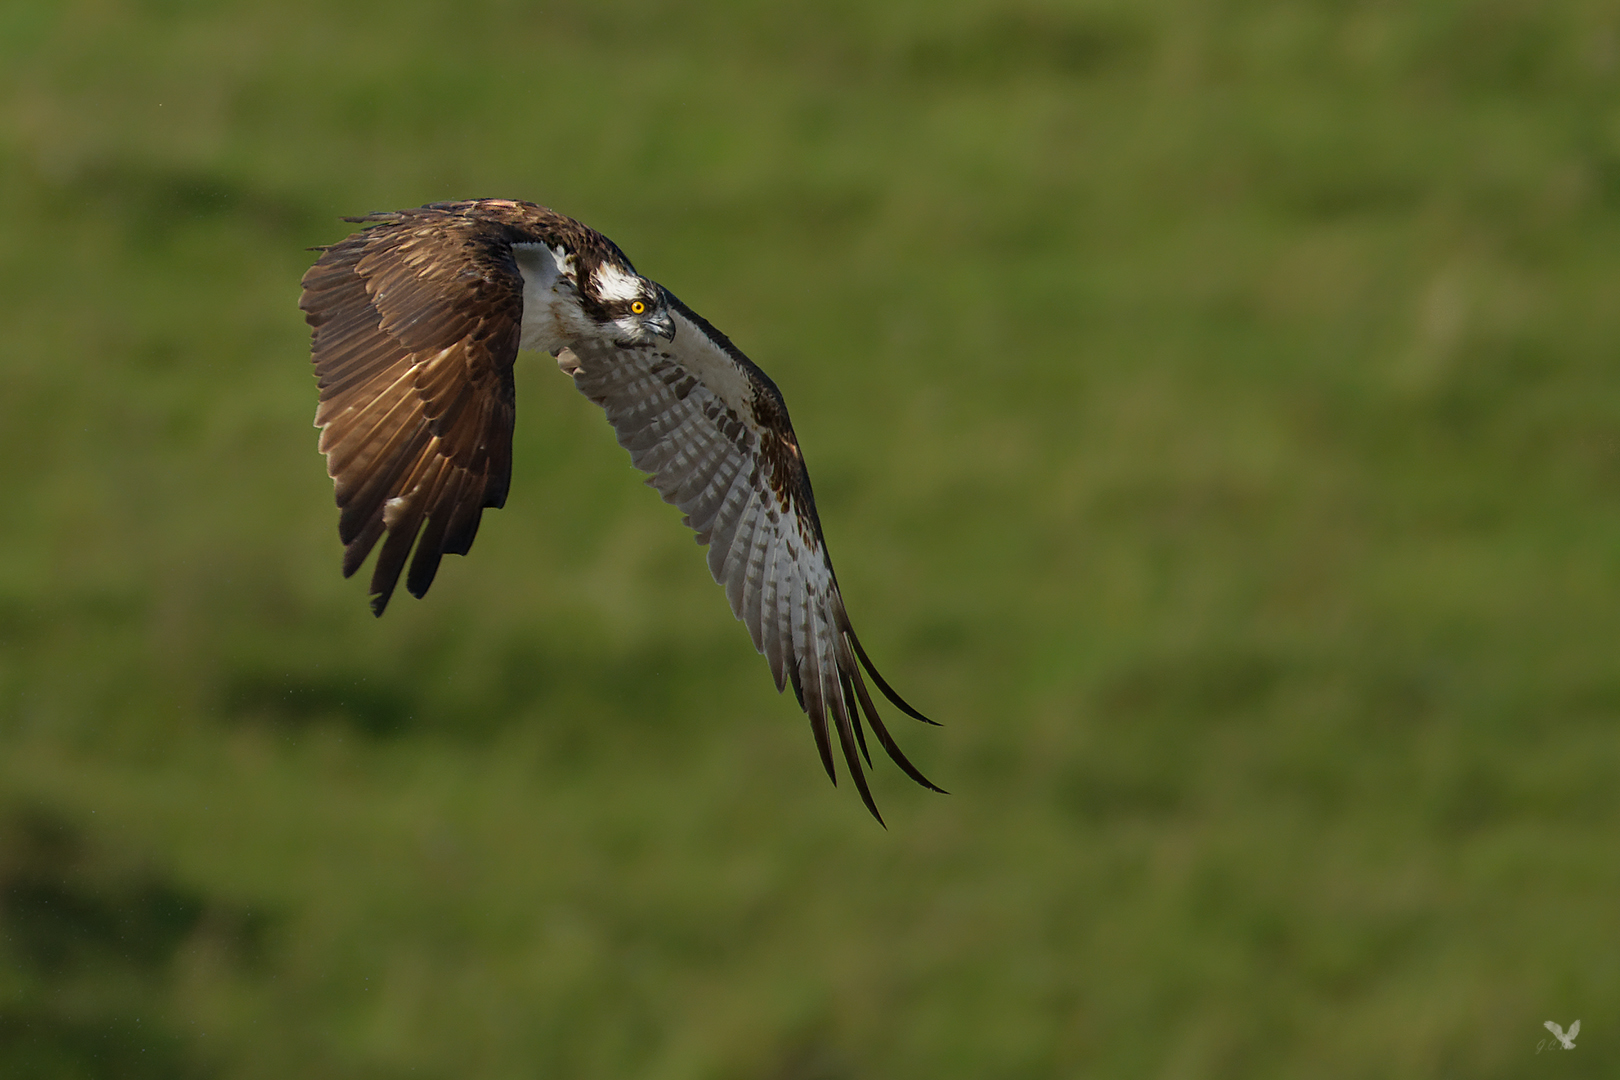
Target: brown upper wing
[[744, 489], [416, 325]]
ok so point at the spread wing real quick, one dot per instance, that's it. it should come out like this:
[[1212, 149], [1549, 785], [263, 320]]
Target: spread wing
[[416, 326], [712, 430]]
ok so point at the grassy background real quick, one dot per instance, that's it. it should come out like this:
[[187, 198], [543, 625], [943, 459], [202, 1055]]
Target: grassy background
[[1213, 408]]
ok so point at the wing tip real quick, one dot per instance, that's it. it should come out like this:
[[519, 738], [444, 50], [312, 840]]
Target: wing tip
[[882, 684], [850, 673]]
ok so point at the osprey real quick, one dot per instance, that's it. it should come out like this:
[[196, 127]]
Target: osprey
[[417, 321]]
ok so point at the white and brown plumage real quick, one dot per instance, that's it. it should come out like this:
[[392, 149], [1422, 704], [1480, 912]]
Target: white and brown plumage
[[418, 320]]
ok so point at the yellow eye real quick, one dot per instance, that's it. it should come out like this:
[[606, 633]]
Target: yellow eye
[[638, 307]]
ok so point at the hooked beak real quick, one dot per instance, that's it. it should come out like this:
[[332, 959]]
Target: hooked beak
[[662, 325]]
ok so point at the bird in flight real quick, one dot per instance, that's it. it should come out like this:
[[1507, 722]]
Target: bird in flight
[[417, 321], [1566, 1038]]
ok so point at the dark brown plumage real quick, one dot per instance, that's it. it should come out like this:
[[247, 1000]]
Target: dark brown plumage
[[417, 321]]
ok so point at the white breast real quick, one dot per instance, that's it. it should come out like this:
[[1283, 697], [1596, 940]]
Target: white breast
[[551, 315]]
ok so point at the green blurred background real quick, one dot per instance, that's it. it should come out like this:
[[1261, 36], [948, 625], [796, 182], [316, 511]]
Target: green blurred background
[[1212, 406]]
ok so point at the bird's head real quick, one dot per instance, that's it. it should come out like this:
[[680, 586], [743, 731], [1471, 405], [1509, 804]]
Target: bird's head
[[629, 307]]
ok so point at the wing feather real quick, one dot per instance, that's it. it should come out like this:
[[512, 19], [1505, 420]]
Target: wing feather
[[846, 739], [740, 534], [743, 495], [706, 503], [742, 554], [717, 533], [753, 578], [848, 692], [713, 434], [809, 668], [720, 458], [771, 613], [416, 322]]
